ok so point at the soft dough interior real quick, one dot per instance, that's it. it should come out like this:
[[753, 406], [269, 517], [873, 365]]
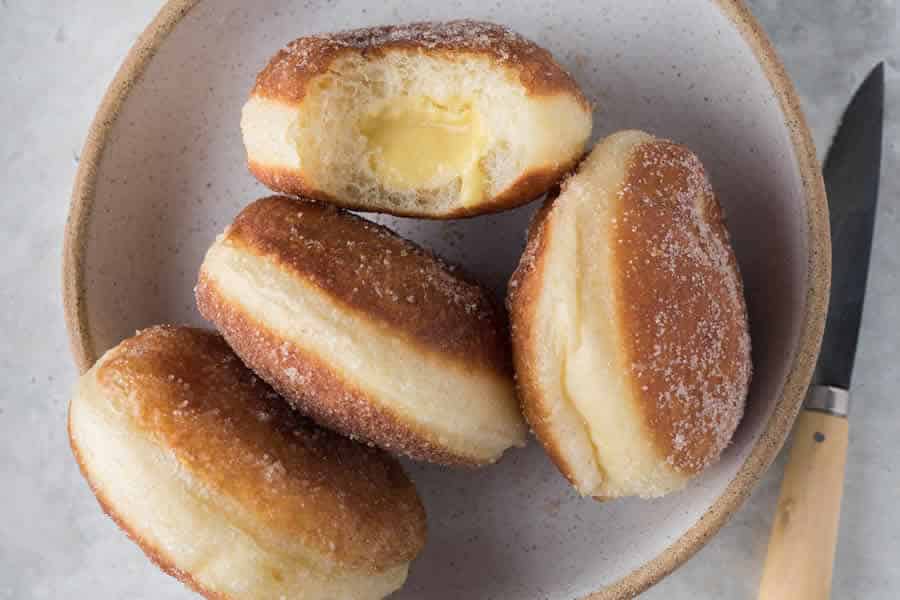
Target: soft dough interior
[[412, 127], [596, 420]]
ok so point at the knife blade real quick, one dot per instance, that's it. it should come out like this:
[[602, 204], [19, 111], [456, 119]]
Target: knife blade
[[851, 173], [802, 545]]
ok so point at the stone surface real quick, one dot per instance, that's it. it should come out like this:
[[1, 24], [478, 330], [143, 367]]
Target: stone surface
[[54, 543]]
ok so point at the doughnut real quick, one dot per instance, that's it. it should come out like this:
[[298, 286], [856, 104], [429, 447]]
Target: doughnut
[[225, 487], [433, 120], [629, 325], [364, 332]]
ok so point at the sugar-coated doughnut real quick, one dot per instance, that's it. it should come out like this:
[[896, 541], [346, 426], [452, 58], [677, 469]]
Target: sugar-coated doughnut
[[227, 488], [629, 325], [432, 120], [364, 331]]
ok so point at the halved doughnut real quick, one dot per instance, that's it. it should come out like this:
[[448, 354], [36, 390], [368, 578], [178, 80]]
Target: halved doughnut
[[228, 489], [433, 120], [364, 331], [629, 325]]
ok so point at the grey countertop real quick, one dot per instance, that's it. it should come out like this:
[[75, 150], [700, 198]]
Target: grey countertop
[[57, 60]]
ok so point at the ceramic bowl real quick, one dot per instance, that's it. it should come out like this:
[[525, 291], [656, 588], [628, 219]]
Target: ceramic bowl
[[163, 172]]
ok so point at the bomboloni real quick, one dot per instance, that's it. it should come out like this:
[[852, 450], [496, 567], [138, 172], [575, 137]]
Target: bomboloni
[[629, 325], [227, 488], [364, 331], [432, 120]]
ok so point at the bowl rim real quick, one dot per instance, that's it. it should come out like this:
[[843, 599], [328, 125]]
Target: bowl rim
[[817, 283]]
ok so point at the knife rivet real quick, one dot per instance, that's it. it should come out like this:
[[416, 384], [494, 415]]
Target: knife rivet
[[819, 437]]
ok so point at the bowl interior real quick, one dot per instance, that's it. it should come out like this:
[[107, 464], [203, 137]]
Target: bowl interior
[[172, 176]]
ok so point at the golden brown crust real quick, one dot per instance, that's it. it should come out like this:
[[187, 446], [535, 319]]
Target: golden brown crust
[[368, 269], [527, 187], [162, 561], [522, 300], [311, 386], [188, 391], [681, 305], [290, 71]]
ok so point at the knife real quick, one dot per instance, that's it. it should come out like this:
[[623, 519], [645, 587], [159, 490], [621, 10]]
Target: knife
[[804, 534]]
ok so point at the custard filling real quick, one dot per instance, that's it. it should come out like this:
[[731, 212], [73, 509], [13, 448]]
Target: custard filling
[[418, 142]]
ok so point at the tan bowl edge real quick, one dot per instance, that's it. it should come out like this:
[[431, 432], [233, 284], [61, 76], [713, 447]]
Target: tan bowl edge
[[817, 285], [129, 73]]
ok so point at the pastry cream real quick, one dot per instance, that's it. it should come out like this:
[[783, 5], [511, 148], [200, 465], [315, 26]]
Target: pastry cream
[[418, 142]]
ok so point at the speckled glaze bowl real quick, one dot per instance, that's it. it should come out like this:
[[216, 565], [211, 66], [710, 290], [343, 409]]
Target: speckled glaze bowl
[[163, 172]]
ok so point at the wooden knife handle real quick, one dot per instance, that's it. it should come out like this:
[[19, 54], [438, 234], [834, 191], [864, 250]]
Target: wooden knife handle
[[804, 535]]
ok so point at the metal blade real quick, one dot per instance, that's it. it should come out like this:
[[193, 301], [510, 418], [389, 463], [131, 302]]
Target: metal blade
[[851, 174]]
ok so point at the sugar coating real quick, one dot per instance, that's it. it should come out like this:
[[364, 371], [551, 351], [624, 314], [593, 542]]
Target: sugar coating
[[682, 305], [314, 52], [229, 431], [367, 268]]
